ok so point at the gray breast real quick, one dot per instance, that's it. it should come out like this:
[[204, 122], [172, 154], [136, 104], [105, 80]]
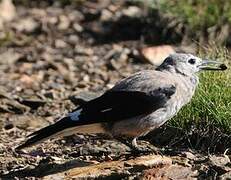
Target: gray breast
[[185, 89]]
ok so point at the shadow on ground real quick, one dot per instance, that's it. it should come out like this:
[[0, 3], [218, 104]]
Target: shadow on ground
[[44, 169], [206, 139]]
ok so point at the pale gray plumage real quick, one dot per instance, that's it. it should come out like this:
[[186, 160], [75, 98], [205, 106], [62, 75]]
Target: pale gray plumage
[[184, 79], [158, 94]]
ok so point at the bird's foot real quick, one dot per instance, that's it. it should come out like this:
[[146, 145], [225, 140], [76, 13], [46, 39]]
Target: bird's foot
[[138, 150], [146, 149], [155, 150]]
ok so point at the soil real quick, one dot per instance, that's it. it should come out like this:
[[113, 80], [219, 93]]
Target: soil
[[51, 54]]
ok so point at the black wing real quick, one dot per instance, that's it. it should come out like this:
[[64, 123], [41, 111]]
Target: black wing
[[120, 105]]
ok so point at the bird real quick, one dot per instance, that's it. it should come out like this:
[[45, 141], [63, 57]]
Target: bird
[[135, 105]]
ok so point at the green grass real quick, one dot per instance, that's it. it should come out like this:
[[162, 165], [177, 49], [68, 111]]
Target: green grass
[[211, 104], [200, 20], [198, 14]]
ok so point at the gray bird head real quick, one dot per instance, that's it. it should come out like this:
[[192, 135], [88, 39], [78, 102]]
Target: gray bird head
[[188, 64]]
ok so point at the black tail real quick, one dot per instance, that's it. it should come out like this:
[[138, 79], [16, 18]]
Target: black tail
[[47, 132]]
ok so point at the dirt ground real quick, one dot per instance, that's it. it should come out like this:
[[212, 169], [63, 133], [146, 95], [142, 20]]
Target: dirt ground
[[50, 54]]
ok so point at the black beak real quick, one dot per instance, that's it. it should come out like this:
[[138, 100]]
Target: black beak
[[212, 65]]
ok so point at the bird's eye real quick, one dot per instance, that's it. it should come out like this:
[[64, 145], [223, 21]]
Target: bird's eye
[[192, 61]]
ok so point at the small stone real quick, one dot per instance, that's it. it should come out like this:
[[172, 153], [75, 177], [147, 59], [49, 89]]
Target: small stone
[[132, 11], [73, 39], [27, 25], [169, 172], [27, 80], [64, 23], [106, 15], [189, 155], [60, 43], [9, 57], [86, 78], [8, 11], [77, 27], [53, 20], [28, 121]]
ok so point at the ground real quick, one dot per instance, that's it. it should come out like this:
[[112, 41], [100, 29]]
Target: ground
[[50, 54]]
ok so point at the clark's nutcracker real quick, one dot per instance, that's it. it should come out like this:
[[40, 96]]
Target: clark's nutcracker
[[135, 105]]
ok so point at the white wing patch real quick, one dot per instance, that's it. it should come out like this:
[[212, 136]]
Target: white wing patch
[[75, 115], [105, 110]]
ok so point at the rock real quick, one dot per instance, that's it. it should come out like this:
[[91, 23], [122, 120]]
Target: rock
[[31, 81], [83, 51], [189, 155], [26, 25], [7, 12], [28, 121], [60, 43], [27, 80], [169, 172], [225, 176], [82, 96], [33, 103], [9, 57], [75, 16], [156, 54], [73, 39], [132, 11], [114, 169], [8, 104], [219, 160], [64, 23], [106, 15], [77, 27]]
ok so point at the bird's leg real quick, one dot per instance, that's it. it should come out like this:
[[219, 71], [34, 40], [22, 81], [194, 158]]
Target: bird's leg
[[134, 143], [131, 143], [144, 149], [135, 148], [139, 149]]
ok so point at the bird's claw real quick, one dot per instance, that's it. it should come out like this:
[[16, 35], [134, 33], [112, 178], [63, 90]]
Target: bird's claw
[[144, 150]]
